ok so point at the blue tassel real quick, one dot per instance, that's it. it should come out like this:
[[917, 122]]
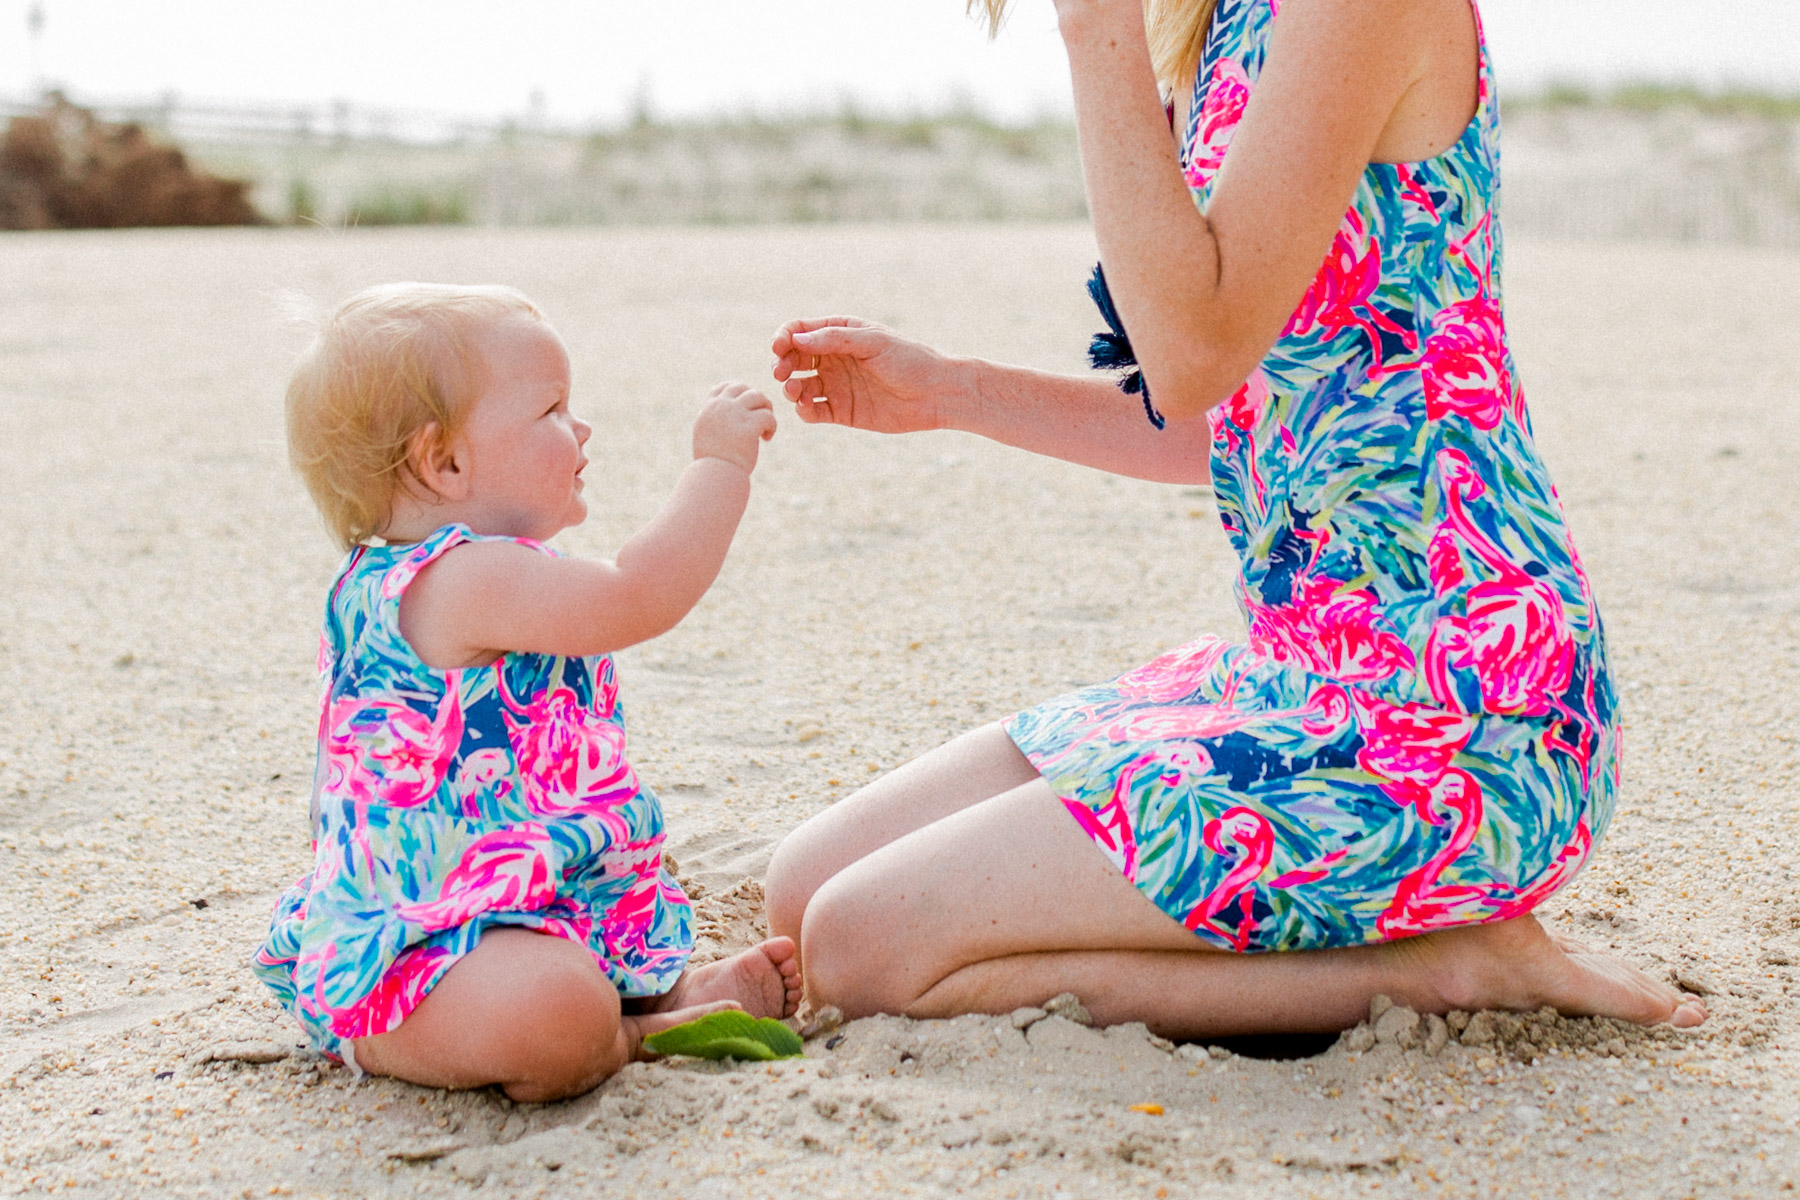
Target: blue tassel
[[1111, 351]]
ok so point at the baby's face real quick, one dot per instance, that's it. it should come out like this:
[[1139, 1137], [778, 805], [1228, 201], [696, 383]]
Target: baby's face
[[524, 444]]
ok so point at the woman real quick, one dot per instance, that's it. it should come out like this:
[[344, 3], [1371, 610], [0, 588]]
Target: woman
[[1417, 744]]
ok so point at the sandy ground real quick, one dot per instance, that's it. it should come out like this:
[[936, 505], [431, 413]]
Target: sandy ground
[[162, 581]]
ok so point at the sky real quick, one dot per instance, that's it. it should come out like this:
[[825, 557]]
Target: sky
[[593, 61]]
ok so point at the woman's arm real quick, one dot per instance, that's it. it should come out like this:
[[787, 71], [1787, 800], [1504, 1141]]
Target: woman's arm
[[1082, 419], [1204, 296], [870, 377]]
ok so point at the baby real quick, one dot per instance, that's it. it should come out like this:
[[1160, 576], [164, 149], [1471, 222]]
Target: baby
[[487, 903]]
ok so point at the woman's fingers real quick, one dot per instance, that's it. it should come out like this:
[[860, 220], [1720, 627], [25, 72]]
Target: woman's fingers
[[798, 344], [849, 341], [788, 357], [804, 388]]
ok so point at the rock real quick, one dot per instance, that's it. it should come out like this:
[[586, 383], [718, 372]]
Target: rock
[[1360, 1040], [1378, 1005], [1779, 956], [254, 1053], [427, 1150], [1437, 1034], [1069, 1007], [1482, 1030], [1190, 1052], [826, 1020], [1457, 1020], [1025, 1018], [1693, 979], [1219, 1053], [471, 1163], [1398, 1026], [1162, 1043]]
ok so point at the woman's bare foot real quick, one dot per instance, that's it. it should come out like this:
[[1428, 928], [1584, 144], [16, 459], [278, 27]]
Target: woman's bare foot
[[764, 980], [1517, 965]]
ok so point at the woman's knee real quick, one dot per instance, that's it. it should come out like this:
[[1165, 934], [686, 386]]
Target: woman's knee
[[846, 959], [794, 875]]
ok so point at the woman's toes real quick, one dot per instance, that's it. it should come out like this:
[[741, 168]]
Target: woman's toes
[[1689, 1013]]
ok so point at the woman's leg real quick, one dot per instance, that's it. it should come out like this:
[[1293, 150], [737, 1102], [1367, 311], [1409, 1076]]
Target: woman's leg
[[1007, 902], [977, 766], [527, 1011]]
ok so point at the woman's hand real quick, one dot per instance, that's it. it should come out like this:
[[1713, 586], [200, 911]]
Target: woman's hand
[[865, 375]]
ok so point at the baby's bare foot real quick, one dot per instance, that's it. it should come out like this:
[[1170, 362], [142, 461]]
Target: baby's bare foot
[[1516, 964], [764, 980]]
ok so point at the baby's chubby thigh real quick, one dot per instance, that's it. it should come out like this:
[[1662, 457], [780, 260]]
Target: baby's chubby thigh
[[529, 1012]]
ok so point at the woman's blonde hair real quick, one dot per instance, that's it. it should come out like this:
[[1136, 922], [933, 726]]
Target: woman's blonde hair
[[386, 363], [1177, 30]]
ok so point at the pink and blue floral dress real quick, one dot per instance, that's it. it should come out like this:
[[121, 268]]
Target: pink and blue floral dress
[[1420, 730], [450, 802]]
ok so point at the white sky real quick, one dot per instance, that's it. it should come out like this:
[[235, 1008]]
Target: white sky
[[589, 58]]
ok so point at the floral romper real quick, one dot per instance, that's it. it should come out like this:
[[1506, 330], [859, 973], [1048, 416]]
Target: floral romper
[[449, 802], [1420, 731]]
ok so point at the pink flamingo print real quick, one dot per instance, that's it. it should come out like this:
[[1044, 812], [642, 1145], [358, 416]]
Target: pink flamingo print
[[1326, 629], [1110, 825], [1342, 295], [1464, 366], [1409, 747], [1227, 93], [626, 926], [393, 999], [381, 750], [571, 758], [1179, 673], [482, 773], [509, 870], [1414, 193], [1567, 864], [1421, 903], [1515, 634], [1245, 835], [1317, 870]]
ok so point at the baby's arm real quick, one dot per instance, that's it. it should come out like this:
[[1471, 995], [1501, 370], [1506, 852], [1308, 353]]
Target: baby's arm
[[485, 599]]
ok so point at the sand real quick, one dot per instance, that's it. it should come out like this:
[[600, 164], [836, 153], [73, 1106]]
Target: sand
[[162, 581]]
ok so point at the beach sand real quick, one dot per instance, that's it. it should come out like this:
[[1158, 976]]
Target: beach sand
[[164, 574]]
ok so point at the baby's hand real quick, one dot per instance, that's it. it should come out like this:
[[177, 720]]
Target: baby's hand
[[735, 419]]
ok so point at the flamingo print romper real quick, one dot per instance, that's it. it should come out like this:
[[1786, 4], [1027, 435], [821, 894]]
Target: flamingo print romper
[[446, 803], [1420, 730]]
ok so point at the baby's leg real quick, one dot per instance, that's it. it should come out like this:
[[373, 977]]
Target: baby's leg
[[531, 1013]]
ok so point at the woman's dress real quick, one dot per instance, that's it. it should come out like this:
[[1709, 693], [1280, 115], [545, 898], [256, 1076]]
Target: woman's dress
[[1420, 731]]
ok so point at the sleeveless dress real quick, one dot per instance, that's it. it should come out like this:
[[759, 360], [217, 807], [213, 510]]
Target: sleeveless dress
[[446, 803], [1420, 731]]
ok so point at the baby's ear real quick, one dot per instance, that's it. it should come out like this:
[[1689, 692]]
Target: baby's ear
[[432, 460]]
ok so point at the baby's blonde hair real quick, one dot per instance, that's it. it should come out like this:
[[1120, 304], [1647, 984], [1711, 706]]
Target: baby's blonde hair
[[387, 363], [1177, 30]]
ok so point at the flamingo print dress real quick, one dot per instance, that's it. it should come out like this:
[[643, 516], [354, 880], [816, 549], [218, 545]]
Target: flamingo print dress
[[446, 803], [1420, 730]]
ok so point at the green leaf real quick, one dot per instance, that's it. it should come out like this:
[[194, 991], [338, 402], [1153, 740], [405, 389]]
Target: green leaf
[[728, 1034]]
